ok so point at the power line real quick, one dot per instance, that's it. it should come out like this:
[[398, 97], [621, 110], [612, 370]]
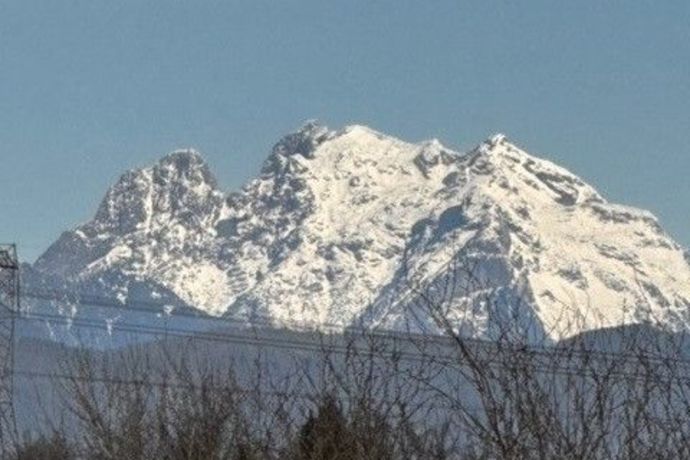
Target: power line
[[341, 349], [149, 308], [155, 383], [211, 336], [144, 306], [317, 328], [256, 392], [254, 320]]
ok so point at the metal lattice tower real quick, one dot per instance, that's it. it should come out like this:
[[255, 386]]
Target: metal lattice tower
[[9, 309]]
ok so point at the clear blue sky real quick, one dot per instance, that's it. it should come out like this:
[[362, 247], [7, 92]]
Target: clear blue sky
[[91, 88]]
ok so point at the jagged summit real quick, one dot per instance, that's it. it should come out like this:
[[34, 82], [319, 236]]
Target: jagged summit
[[341, 224], [304, 140], [188, 156], [185, 162], [179, 184], [496, 140]]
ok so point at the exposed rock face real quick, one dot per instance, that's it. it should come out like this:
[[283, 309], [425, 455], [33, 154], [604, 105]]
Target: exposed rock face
[[340, 224]]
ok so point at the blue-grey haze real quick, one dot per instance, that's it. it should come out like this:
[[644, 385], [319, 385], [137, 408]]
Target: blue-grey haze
[[91, 88]]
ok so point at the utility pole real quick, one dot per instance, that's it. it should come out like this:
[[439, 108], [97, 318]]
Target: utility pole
[[9, 309]]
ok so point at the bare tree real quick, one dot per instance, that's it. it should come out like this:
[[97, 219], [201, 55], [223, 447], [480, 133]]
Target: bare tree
[[618, 393]]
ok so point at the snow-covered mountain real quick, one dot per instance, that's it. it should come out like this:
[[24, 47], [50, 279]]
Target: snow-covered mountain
[[348, 227]]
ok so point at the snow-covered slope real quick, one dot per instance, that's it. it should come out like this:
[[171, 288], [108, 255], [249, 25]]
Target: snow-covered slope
[[348, 227]]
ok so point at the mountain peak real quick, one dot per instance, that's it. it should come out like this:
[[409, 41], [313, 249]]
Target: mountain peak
[[183, 164], [358, 129], [180, 183], [496, 139], [494, 143], [303, 141], [184, 158], [339, 221], [312, 127]]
